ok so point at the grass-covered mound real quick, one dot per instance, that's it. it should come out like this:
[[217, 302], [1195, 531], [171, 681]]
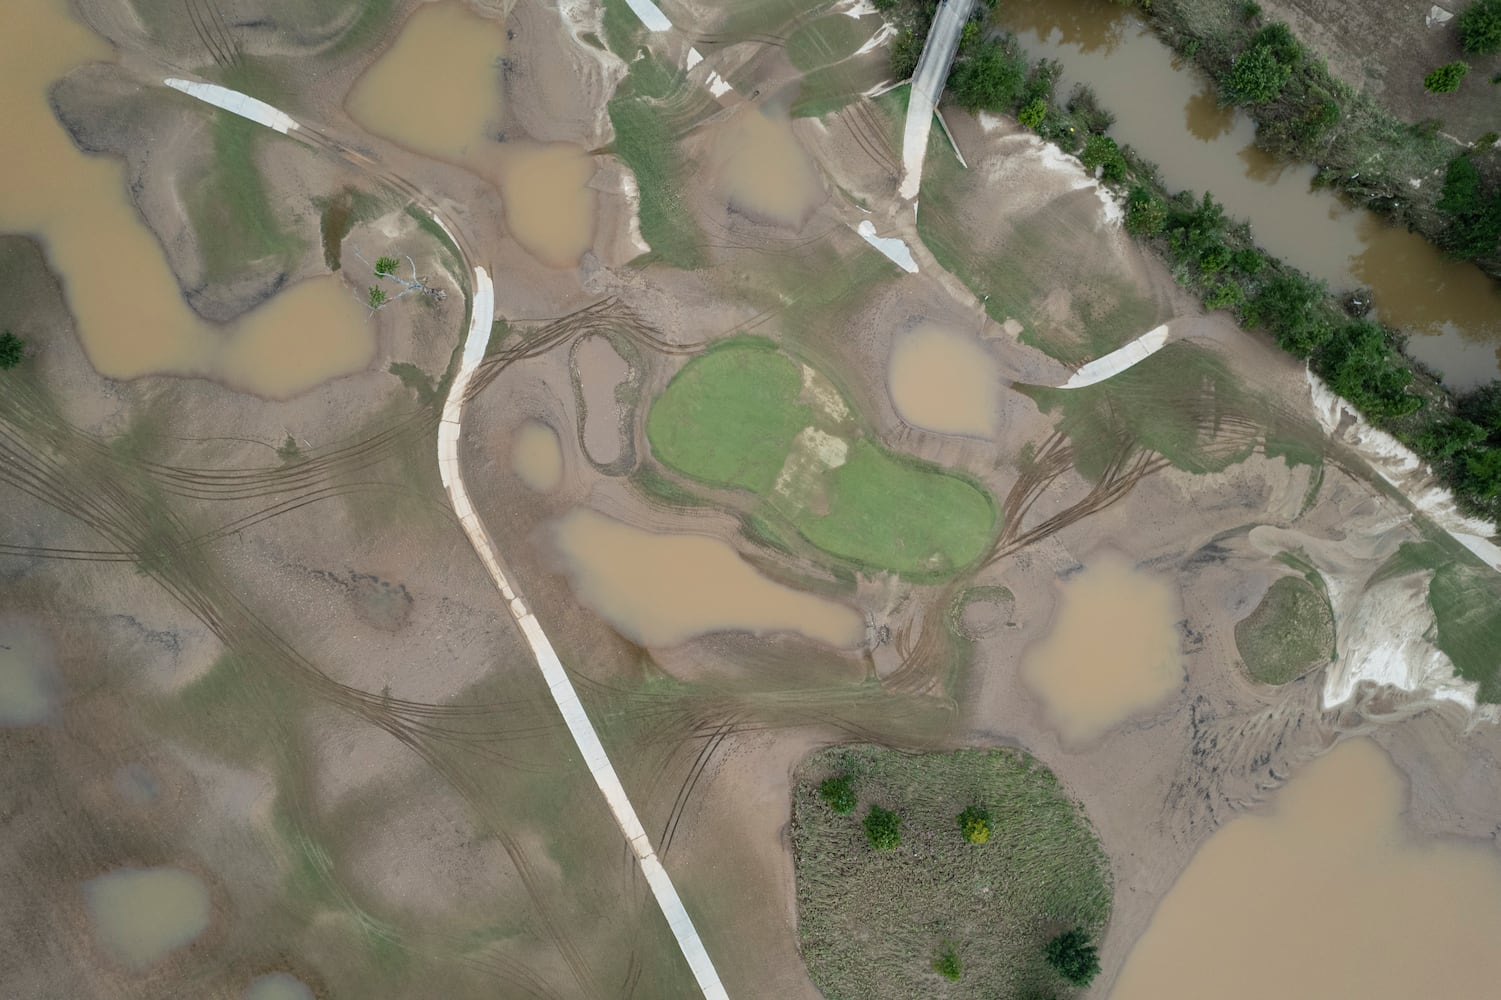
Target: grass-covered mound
[[1290, 632], [744, 415], [897, 922]]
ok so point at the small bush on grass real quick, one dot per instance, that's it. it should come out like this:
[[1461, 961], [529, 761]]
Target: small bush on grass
[[1075, 958], [974, 822], [839, 793], [1445, 79], [883, 828], [946, 963]]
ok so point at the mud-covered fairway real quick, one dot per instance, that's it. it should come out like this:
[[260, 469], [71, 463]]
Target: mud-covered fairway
[[745, 415], [871, 921]]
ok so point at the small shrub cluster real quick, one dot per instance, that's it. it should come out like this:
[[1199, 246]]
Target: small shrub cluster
[[1473, 209], [839, 793], [1480, 27], [974, 823], [946, 963], [12, 350], [1445, 79], [882, 828], [1074, 957]]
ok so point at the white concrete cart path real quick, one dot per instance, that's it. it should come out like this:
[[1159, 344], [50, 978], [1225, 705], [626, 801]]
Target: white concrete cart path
[[927, 87]]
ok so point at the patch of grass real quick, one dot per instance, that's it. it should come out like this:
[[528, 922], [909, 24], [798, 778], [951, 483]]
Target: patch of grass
[[415, 379], [224, 711], [872, 922], [1290, 632], [337, 216], [827, 40], [894, 512], [733, 417], [232, 215], [1466, 602], [730, 416]]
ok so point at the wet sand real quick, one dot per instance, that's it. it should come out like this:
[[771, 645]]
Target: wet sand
[[129, 309], [1326, 896], [1112, 650], [943, 381], [661, 590], [537, 457]]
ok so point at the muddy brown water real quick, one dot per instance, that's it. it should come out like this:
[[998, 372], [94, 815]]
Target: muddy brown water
[[129, 310], [601, 370], [1327, 895], [1112, 650], [661, 590], [1169, 112], [762, 168], [944, 381], [537, 456], [141, 915], [439, 90]]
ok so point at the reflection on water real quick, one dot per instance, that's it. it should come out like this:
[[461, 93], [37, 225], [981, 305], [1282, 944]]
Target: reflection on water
[[661, 590], [1326, 896], [439, 90], [945, 382], [536, 456], [1112, 650], [140, 915], [1207, 148], [762, 167], [129, 310]]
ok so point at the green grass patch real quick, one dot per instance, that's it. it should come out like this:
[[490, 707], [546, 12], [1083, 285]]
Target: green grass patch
[[232, 215], [1466, 602], [871, 921], [1290, 632], [735, 416], [827, 40]]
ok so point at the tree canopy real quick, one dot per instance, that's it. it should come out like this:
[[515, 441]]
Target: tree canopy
[[883, 828], [839, 793], [1445, 79], [12, 350], [1257, 76], [1075, 958], [1480, 27]]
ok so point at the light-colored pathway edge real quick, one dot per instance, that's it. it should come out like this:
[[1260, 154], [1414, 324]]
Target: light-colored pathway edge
[[1120, 359], [927, 87], [476, 341]]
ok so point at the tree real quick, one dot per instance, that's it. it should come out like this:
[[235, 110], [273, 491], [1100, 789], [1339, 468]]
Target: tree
[[946, 963], [1480, 27], [974, 822], [990, 79], [1102, 152], [1074, 957], [386, 266], [1034, 113], [1445, 79], [1290, 307], [1449, 437], [12, 350], [882, 828], [1255, 77], [1484, 472], [376, 298], [384, 269], [1361, 366], [839, 793]]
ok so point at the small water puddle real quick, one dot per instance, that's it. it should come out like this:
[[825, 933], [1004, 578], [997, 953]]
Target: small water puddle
[[537, 457], [141, 915], [601, 370], [278, 986], [1328, 895], [944, 381], [762, 168], [1112, 650], [661, 590], [29, 685]]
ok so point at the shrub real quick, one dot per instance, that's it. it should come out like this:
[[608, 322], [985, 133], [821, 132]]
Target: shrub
[[1289, 307], [1250, 10], [974, 822], [839, 793], [1447, 438], [946, 963], [883, 828], [386, 265], [12, 350], [1146, 215], [1033, 114], [1483, 473], [1100, 151], [1480, 27], [906, 50], [1445, 79], [1214, 258], [1084, 105], [375, 297], [990, 79], [1284, 44], [1248, 261], [1225, 295], [1074, 957], [1360, 365], [1474, 214], [1255, 77]]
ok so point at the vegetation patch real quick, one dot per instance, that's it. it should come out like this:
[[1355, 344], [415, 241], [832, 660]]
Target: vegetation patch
[[943, 914], [232, 216], [1290, 632], [743, 415]]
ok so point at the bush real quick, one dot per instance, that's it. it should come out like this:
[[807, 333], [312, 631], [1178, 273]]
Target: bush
[[1474, 214], [990, 79], [1248, 261], [1360, 365], [12, 350], [1084, 105], [1034, 114], [1255, 77], [1480, 27], [1290, 308], [946, 963], [906, 50], [1146, 215], [1483, 473], [1100, 151], [1447, 438], [974, 822], [839, 793], [1072, 955], [1225, 295], [882, 828], [1445, 79]]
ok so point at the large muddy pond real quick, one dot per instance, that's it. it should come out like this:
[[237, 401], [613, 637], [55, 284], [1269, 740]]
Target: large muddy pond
[[439, 90], [661, 590], [1328, 895], [1112, 650], [141, 915], [1169, 112], [944, 381], [129, 309], [762, 169]]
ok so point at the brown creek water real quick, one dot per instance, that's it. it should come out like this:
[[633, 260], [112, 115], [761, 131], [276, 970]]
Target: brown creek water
[[129, 310], [661, 590], [1326, 895], [945, 381], [1112, 650], [439, 90], [1168, 111]]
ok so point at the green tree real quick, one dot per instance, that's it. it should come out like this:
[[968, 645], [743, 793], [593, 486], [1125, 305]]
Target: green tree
[[1447, 438], [375, 297], [12, 350], [990, 79], [1074, 957], [1484, 472], [974, 823], [1146, 215], [883, 828], [1290, 307], [1102, 152], [1361, 366], [385, 265], [1034, 113], [839, 793], [906, 50], [946, 963], [1480, 27], [1445, 79], [1255, 77]]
